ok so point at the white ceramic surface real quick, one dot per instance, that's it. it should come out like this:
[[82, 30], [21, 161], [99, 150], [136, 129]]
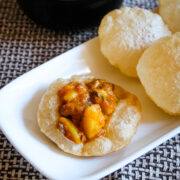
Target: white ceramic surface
[[18, 107]]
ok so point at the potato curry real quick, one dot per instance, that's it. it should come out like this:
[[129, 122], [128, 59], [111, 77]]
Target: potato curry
[[85, 108]]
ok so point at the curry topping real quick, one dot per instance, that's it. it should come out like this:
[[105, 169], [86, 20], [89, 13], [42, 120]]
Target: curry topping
[[85, 108]]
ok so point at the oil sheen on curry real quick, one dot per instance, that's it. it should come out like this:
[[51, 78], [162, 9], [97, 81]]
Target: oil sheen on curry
[[85, 109]]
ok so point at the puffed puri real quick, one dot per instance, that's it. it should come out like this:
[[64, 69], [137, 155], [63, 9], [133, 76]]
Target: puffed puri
[[125, 33], [159, 72], [119, 132]]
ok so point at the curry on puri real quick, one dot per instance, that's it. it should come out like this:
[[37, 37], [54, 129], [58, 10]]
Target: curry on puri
[[85, 108]]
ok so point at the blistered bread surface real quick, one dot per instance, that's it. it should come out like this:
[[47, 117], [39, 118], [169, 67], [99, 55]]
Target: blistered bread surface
[[126, 32], [159, 72]]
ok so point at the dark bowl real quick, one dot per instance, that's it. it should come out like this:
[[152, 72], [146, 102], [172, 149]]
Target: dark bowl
[[59, 13]]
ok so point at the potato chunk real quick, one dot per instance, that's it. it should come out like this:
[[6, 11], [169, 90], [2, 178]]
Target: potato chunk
[[70, 95], [73, 98], [93, 120], [71, 131]]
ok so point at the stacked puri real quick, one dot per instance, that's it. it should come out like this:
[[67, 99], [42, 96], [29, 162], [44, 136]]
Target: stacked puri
[[139, 43]]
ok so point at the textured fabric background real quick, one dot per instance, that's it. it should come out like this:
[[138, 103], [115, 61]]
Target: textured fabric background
[[25, 45]]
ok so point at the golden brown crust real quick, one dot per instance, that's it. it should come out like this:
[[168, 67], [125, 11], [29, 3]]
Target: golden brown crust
[[120, 130]]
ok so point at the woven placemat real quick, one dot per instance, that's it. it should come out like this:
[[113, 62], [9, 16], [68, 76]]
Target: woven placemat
[[25, 45]]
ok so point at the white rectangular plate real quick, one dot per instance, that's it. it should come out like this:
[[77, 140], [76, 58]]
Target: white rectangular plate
[[19, 102]]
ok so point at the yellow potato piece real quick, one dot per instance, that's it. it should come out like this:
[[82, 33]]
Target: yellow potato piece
[[93, 120], [69, 95], [125, 33], [71, 130], [159, 73], [170, 12]]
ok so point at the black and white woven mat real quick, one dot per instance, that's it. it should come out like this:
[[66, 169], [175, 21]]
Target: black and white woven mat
[[25, 45]]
